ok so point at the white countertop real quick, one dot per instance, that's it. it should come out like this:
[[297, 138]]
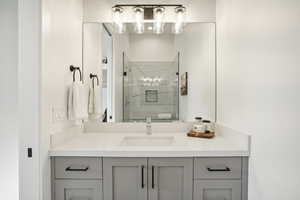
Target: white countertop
[[95, 144]]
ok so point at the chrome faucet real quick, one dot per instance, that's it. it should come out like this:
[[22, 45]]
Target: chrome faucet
[[148, 126]]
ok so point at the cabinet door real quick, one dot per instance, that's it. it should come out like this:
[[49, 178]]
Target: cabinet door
[[170, 178], [125, 178], [78, 190], [217, 190]]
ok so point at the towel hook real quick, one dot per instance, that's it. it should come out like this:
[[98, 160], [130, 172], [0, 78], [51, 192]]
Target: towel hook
[[73, 69], [93, 76]]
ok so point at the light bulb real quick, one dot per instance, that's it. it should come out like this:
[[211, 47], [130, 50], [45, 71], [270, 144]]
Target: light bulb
[[118, 21], [180, 17], [139, 19], [158, 20]]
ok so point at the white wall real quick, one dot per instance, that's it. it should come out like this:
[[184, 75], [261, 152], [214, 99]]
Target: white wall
[[258, 90], [62, 47], [198, 11], [197, 57], [9, 172], [152, 47]]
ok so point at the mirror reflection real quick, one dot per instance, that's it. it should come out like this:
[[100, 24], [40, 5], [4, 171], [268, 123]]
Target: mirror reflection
[[165, 77]]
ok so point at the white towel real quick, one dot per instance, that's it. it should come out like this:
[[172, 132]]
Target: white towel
[[95, 102], [77, 103]]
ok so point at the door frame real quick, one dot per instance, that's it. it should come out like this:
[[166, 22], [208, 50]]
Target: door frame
[[29, 73]]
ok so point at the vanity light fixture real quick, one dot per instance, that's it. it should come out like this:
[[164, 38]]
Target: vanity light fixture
[[118, 21], [180, 15], [139, 19], [159, 19], [149, 13]]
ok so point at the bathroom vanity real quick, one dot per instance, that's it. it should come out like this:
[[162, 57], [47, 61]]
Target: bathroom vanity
[[143, 74], [161, 166], [126, 160], [184, 178]]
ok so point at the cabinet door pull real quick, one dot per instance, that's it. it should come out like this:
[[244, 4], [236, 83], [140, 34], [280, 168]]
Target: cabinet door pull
[[143, 184], [153, 177], [77, 169], [226, 169]]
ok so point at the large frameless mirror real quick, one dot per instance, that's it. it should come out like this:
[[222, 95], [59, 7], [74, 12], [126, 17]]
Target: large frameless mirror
[[168, 76]]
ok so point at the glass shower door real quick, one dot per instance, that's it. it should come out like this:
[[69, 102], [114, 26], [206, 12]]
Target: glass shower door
[[150, 89]]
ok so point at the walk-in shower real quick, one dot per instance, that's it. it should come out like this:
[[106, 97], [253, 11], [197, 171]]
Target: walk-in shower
[[150, 89]]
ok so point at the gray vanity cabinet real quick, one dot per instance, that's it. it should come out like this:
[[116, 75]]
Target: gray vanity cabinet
[[78, 190], [125, 178], [223, 178], [77, 178], [170, 178], [200, 178], [148, 179], [217, 190]]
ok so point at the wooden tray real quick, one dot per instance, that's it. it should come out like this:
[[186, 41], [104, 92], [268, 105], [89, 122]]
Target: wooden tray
[[201, 135]]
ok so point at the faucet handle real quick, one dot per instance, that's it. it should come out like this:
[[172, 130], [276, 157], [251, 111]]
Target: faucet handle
[[148, 120]]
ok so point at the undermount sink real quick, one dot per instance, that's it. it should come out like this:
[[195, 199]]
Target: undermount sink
[[147, 140]]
